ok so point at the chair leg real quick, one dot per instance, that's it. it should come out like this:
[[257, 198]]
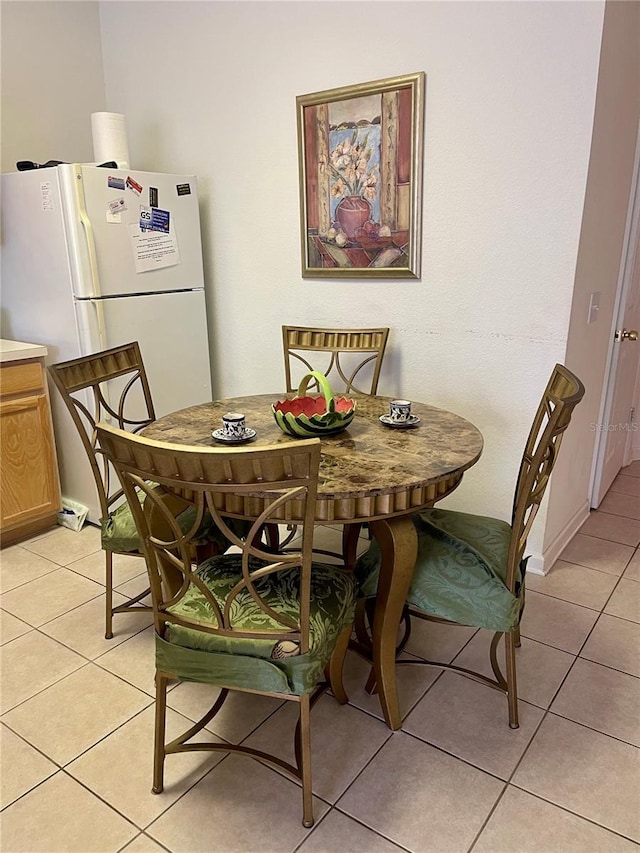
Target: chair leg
[[371, 685], [158, 744], [108, 634], [516, 636], [272, 536], [512, 687], [305, 760], [336, 664]]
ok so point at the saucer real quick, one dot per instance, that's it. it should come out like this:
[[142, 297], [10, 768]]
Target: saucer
[[412, 420], [219, 435]]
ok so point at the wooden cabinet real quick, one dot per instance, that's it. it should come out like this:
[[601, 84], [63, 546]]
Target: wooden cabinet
[[29, 483]]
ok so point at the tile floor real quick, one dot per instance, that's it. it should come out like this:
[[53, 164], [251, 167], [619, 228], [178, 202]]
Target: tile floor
[[77, 718]]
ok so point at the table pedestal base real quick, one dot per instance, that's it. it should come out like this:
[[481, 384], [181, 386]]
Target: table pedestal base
[[398, 542]]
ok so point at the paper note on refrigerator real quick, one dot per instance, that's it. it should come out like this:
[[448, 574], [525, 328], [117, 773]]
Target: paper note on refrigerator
[[153, 250]]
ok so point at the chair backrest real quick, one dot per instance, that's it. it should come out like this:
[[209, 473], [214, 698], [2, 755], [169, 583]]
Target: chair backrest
[[108, 384], [261, 483], [350, 353], [562, 394]]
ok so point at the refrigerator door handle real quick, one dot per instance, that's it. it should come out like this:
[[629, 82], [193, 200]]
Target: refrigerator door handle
[[92, 330], [92, 334], [102, 332], [88, 231]]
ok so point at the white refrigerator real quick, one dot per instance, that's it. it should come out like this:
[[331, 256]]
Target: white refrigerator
[[95, 257]]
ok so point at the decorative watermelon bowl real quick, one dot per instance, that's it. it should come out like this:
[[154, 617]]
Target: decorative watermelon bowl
[[306, 417]]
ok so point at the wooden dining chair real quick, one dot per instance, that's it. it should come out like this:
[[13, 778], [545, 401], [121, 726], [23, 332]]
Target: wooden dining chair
[[275, 624], [352, 357], [113, 384], [470, 569]]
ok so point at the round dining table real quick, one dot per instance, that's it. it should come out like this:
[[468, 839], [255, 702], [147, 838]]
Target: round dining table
[[369, 473]]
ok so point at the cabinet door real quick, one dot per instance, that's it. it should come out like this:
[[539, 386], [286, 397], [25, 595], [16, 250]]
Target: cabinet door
[[27, 466]]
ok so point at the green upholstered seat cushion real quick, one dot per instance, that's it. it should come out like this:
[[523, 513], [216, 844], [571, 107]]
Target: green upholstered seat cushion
[[119, 531], [460, 570], [194, 655]]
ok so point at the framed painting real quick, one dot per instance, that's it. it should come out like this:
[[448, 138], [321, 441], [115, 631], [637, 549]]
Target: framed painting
[[360, 151]]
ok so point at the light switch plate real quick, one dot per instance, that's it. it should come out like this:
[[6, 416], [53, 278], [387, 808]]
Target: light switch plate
[[594, 307]]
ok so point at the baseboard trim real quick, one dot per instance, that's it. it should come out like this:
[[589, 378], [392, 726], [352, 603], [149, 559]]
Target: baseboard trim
[[540, 564]]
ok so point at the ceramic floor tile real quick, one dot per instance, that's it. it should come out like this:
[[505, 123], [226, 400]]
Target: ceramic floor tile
[[584, 771], [238, 717], [343, 740], [93, 567], [64, 546], [243, 808], [339, 832], [120, 768], [82, 629], [616, 643], [433, 641], [632, 470], [597, 553], [576, 584], [11, 627], [540, 668], [412, 681], [134, 660], [626, 485], [19, 566], [23, 767], [50, 596], [76, 712], [556, 623], [411, 792], [29, 664], [602, 699], [526, 824], [143, 844], [625, 601], [632, 572], [61, 815], [619, 504], [470, 720], [612, 527], [593, 714], [135, 586]]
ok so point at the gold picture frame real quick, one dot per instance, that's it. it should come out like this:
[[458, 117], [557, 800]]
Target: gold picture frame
[[360, 154]]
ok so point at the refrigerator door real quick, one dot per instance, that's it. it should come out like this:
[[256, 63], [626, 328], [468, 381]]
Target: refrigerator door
[[171, 329], [109, 252]]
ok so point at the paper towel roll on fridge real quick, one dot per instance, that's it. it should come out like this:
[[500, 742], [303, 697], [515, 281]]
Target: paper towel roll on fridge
[[110, 138]]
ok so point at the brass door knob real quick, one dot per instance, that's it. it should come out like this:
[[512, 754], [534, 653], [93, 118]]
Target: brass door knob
[[626, 335]]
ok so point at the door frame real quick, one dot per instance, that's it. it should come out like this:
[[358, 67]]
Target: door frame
[[629, 246]]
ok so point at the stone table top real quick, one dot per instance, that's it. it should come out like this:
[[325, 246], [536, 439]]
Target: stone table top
[[368, 471]]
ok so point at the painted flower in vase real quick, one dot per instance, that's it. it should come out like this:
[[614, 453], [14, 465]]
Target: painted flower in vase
[[354, 185]]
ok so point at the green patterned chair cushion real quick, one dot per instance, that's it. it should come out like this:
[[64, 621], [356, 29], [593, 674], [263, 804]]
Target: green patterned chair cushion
[[460, 570], [194, 655], [119, 531]]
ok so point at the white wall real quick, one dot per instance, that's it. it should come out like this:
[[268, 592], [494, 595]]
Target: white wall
[[52, 80], [599, 261], [210, 88]]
